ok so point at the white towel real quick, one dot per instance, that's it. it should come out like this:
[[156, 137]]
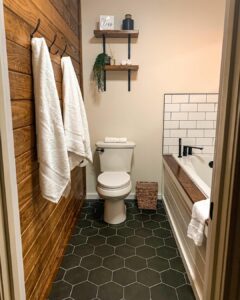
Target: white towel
[[115, 140], [200, 213], [75, 119], [54, 170]]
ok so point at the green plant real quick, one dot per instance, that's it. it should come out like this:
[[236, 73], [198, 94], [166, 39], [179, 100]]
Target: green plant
[[98, 70]]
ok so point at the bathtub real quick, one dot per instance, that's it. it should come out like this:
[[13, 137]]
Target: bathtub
[[197, 167], [186, 180]]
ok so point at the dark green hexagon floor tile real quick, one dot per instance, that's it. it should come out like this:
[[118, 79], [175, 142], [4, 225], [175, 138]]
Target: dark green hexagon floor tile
[[70, 261], [96, 240], [84, 250], [162, 233], [166, 252], [100, 275], [76, 275], [151, 224], [142, 217], [104, 250], [185, 293], [163, 292], [145, 251], [91, 262], [135, 263], [125, 251], [60, 290], [177, 264], [130, 260], [88, 231], [110, 291], [135, 241], [134, 224], [173, 278], [124, 276], [115, 240], [158, 264], [84, 291], [171, 242], [125, 231], [136, 291], [148, 277], [107, 231], [154, 241], [143, 232], [113, 262], [78, 240]]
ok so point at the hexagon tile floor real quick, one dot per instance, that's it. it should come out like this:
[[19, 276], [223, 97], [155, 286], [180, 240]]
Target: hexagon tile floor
[[136, 260]]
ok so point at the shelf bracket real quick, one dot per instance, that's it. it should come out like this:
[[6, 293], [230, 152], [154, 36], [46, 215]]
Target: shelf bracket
[[129, 46], [129, 80], [129, 57], [104, 72]]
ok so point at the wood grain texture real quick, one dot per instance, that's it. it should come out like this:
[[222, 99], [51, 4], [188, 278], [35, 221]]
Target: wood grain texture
[[186, 182], [45, 226]]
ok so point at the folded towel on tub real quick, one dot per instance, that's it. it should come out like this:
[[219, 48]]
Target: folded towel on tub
[[54, 170], [200, 213], [75, 119]]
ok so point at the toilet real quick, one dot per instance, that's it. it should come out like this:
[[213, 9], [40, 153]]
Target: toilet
[[114, 182]]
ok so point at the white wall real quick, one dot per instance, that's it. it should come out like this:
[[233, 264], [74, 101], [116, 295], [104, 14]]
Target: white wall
[[178, 50]]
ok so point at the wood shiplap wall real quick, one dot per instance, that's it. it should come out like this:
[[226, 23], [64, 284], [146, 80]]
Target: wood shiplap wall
[[45, 226]]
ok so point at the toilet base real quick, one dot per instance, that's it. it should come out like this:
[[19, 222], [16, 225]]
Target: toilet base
[[114, 211]]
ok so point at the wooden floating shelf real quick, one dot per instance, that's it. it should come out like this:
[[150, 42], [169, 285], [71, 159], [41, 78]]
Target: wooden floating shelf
[[116, 33], [121, 67]]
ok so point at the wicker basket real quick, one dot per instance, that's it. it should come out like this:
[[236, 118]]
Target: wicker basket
[[146, 193]]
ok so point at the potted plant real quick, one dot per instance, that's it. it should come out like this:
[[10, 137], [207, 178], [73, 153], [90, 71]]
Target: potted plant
[[98, 69]]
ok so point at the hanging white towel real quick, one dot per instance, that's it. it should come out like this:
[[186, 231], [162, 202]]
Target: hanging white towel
[[54, 170], [200, 213], [75, 119]]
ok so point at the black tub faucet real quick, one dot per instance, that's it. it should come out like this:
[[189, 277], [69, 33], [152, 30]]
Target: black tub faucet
[[187, 150], [180, 147]]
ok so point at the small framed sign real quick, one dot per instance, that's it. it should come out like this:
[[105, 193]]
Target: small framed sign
[[106, 23]]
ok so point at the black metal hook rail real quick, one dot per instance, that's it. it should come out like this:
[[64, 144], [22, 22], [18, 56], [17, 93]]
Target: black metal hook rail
[[53, 42]]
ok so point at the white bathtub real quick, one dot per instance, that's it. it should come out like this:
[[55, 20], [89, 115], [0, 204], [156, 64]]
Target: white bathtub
[[197, 168], [179, 207]]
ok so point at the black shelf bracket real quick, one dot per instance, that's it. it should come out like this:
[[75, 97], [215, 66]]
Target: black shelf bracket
[[129, 57], [104, 72]]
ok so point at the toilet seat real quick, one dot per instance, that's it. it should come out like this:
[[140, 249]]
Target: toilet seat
[[114, 180]]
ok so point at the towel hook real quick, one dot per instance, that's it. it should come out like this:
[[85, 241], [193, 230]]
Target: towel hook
[[50, 47], [65, 48], [36, 28]]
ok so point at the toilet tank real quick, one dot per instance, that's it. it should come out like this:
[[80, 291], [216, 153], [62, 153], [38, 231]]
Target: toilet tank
[[115, 156]]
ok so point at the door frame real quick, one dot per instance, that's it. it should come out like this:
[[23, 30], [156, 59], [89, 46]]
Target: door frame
[[13, 243], [223, 251]]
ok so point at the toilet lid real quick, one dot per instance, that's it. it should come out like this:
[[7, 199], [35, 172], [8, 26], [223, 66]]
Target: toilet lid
[[114, 180]]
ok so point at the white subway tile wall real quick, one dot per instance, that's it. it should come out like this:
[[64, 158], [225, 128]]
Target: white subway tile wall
[[191, 117]]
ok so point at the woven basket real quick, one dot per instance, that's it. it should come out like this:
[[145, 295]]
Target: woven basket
[[146, 193]]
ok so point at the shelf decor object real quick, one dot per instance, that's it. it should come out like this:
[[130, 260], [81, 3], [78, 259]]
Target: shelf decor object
[[102, 60], [129, 34], [128, 22], [106, 23]]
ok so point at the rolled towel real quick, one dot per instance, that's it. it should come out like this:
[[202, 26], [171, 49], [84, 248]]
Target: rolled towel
[[115, 140], [200, 213]]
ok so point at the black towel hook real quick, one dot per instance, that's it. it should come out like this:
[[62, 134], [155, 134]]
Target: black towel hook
[[36, 28], [65, 48], [50, 47]]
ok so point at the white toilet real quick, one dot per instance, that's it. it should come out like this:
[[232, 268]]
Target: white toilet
[[114, 183]]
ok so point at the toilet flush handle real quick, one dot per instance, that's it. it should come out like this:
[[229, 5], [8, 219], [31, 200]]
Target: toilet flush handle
[[100, 150]]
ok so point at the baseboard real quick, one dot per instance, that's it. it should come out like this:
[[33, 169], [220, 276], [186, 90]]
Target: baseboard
[[131, 196]]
